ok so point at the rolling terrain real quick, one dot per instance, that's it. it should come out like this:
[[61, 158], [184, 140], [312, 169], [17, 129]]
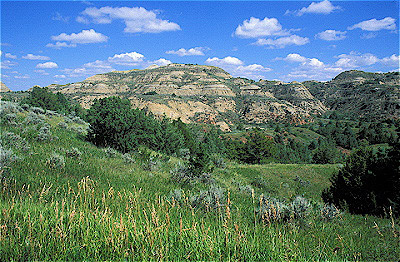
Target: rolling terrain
[[207, 94]]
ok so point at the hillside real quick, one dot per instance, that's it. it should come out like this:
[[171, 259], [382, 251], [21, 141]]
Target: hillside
[[62, 198], [207, 94], [4, 88], [362, 94], [198, 93]]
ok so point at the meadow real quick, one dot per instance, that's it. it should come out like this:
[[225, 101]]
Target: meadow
[[62, 198]]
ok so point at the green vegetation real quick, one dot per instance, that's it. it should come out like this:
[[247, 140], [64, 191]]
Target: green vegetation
[[63, 198], [369, 183]]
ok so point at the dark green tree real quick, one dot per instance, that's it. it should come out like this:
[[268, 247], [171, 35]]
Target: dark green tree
[[369, 183]]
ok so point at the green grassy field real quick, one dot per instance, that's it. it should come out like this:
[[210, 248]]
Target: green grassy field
[[102, 205]]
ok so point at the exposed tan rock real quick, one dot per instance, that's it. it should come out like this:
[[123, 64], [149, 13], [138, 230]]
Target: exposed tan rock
[[4, 88]]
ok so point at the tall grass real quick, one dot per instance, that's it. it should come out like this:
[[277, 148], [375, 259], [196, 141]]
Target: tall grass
[[97, 207]]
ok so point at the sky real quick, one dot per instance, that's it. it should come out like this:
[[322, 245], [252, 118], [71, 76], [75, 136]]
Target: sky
[[59, 42]]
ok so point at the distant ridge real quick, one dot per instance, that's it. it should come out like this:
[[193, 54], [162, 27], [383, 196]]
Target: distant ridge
[[199, 93]]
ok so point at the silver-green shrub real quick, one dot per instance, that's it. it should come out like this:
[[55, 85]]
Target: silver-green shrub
[[329, 212], [33, 119], [273, 210], [56, 161], [6, 157], [301, 207], [12, 140], [45, 133], [73, 153], [212, 198]]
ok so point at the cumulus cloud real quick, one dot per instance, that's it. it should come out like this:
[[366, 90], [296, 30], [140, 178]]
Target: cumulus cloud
[[132, 58], [325, 7], [392, 60], [236, 67], [8, 55], [42, 72], [60, 76], [387, 23], [35, 57], [293, 58], [331, 35], [282, 42], [136, 19], [98, 64], [199, 51], [354, 60], [22, 77], [229, 60], [59, 45], [255, 28], [58, 17], [47, 65], [85, 37], [7, 64], [160, 62]]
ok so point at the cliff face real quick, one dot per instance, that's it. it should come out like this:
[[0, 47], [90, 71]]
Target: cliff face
[[4, 88], [197, 93]]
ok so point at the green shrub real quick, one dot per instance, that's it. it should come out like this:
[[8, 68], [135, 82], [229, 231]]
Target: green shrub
[[56, 161], [369, 183]]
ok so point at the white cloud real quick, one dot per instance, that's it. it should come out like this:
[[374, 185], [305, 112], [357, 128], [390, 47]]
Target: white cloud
[[42, 72], [59, 17], [199, 51], [1, 53], [35, 57], [132, 58], [282, 42], [253, 68], [387, 23], [136, 19], [368, 36], [325, 7], [8, 55], [331, 35], [254, 28], [294, 58], [98, 64], [229, 60], [60, 76], [392, 60], [354, 60], [59, 45], [22, 77], [85, 37], [160, 62], [47, 65], [7, 64]]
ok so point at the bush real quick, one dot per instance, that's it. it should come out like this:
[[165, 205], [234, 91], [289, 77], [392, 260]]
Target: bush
[[45, 133], [182, 174], [212, 198], [369, 183], [62, 125], [273, 210], [56, 161], [301, 207], [329, 212], [74, 153], [12, 140], [128, 158], [110, 152], [6, 157], [33, 119]]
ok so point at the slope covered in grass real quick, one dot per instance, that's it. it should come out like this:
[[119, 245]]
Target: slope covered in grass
[[62, 198]]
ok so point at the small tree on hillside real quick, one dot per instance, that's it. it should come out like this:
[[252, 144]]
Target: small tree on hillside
[[369, 183]]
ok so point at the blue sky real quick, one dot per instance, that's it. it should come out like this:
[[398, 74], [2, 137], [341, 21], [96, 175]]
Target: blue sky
[[46, 42]]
